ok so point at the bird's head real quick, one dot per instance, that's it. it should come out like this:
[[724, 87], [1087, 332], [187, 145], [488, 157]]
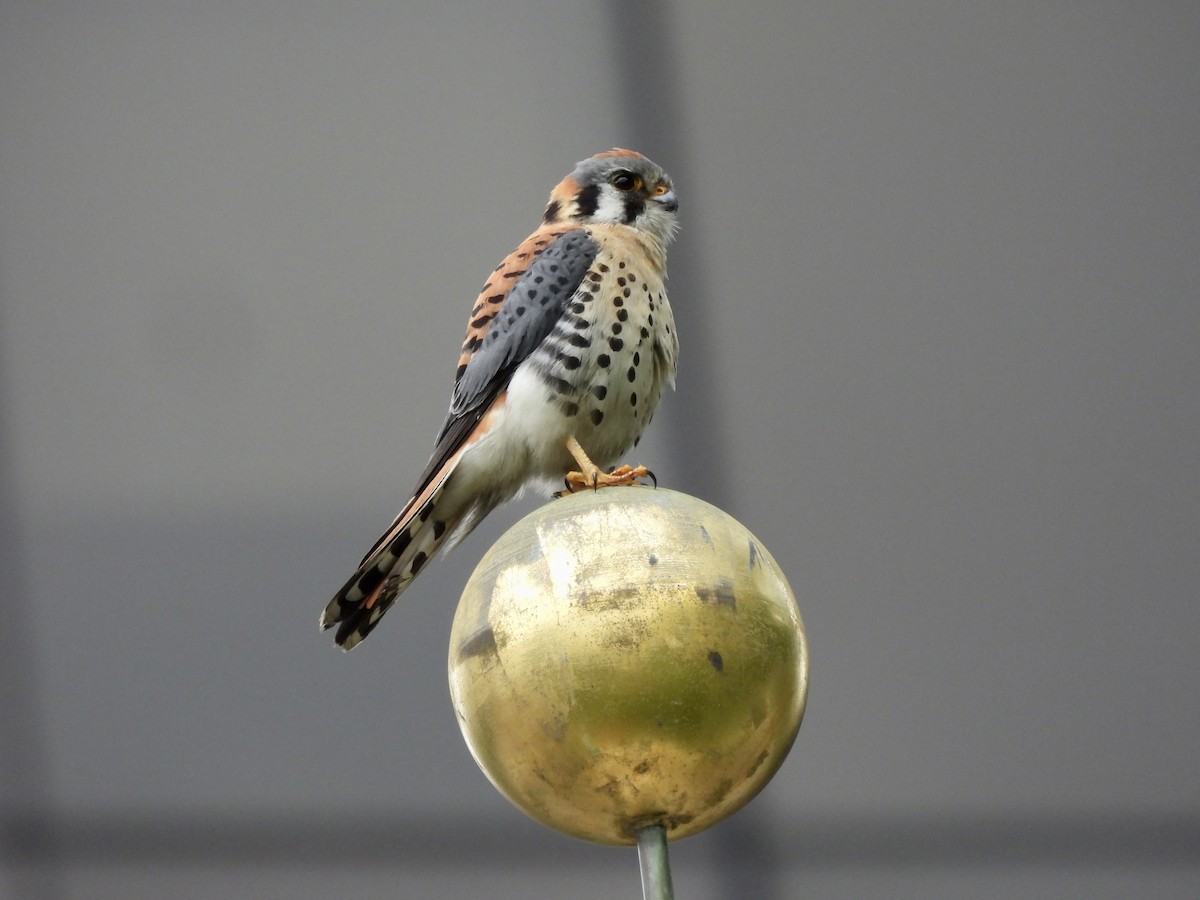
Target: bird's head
[[617, 187]]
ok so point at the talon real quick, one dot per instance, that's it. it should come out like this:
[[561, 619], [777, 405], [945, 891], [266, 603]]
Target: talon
[[589, 474], [595, 479], [579, 481]]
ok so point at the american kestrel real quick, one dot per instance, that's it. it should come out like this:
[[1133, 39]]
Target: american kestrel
[[567, 351]]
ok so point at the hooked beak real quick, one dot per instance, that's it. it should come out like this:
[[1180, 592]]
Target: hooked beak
[[667, 201]]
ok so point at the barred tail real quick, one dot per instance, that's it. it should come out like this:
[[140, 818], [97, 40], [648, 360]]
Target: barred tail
[[442, 513], [391, 566]]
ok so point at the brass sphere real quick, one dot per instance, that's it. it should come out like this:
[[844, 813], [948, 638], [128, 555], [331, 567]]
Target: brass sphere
[[628, 657]]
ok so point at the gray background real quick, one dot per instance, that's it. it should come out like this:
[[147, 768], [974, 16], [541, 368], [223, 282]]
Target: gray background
[[938, 295]]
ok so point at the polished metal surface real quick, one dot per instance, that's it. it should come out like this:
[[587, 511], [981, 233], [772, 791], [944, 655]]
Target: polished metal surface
[[625, 658]]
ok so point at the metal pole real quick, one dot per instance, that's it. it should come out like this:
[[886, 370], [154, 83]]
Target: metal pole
[[656, 867]]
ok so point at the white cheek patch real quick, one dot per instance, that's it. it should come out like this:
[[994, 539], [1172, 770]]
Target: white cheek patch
[[611, 207]]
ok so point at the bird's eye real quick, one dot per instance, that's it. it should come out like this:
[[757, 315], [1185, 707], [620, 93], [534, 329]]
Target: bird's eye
[[626, 181]]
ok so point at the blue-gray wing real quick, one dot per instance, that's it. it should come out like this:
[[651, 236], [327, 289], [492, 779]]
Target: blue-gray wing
[[499, 342], [534, 304]]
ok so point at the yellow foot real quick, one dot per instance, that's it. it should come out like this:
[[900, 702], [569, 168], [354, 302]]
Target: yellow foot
[[590, 476], [594, 478]]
